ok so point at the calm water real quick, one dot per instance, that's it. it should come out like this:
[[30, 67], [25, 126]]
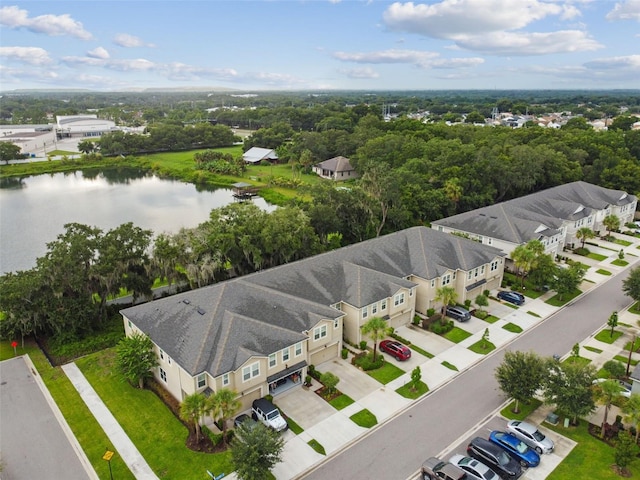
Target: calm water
[[34, 210]]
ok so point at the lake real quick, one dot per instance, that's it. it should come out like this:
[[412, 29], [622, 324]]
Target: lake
[[34, 210]]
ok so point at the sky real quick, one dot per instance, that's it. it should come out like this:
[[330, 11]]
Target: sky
[[320, 44]]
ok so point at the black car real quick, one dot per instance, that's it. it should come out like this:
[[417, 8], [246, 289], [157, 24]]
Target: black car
[[512, 297], [495, 457], [458, 313]]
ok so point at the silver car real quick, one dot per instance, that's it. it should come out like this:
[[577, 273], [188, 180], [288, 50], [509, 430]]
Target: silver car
[[474, 469], [530, 435]]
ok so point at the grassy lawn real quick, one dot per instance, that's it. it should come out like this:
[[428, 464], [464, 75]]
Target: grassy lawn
[[620, 263], [635, 308], [533, 314], [155, 431], [604, 336], [596, 256], [512, 327], [386, 373], [407, 392], [491, 319], [84, 426], [364, 418], [623, 359], [590, 458], [526, 408], [421, 351], [482, 347], [529, 290], [624, 243], [341, 402], [456, 335], [295, 428], [577, 360], [313, 443], [450, 366], [557, 302], [602, 271], [634, 347], [592, 349]]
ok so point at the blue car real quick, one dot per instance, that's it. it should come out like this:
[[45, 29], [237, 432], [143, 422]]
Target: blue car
[[511, 297], [518, 450]]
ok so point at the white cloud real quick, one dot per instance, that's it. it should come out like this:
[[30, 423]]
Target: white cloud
[[419, 58], [98, 52], [133, 64], [629, 10], [130, 41], [359, 73], [629, 62], [54, 25], [519, 44], [30, 55]]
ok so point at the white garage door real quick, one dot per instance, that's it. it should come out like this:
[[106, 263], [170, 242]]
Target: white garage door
[[324, 354]]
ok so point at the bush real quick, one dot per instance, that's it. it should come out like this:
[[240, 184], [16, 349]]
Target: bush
[[615, 369], [416, 320], [439, 328], [363, 344], [344, 353], [431, 312], [487, 293], [397, 337], [307, 380], [365, 361], [582, 251], [467, 304]]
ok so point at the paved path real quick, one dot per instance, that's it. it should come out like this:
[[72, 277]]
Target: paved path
[[121, 442]]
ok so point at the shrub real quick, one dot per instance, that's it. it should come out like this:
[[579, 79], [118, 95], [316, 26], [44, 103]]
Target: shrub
[[440, 329], [582, 251], [363, 344], [467, 304], [615, 369], [269, 397], [400, 339], [416, 320], [431, 312], [365, 361], [307, 380], [486, 293], [344, 353]]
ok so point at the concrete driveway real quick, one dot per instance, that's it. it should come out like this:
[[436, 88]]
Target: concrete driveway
[[353, 382]]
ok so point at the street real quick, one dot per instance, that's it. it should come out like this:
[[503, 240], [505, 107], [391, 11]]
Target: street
[[397, 449]]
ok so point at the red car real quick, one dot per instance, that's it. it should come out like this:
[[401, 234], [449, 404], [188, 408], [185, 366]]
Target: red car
[[395, 349]]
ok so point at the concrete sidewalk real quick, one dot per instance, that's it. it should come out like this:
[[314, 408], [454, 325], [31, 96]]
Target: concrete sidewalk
[[121, 442]]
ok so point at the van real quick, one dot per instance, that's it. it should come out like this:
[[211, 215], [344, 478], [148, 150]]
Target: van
[[458, 313], [266, 412]]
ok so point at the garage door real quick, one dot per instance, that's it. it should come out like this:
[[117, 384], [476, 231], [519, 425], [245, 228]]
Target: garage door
[[248, 398], [324, 354]]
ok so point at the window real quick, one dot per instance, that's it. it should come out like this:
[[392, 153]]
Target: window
[[489, 241], [482, 270], [168, 359], [374, 309], [493, 266], [454, 275], [383, 304], [398, 299], [297, 349], [285, 355], [201, 380], [250, 371], [440, 228], [161, 355], [130, 324], [365, 312], [319, 332], [469, 275], [272, 360], [446, 279], [255, 369], [336, 324], [475, 272], [225, 379], [163, 375], [433, 283]]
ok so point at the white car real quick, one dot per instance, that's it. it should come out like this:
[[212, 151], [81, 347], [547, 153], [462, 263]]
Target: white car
[[625, 388], [530, 435], [474, 469]]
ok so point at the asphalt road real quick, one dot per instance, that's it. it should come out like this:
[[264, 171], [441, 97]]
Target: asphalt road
[[397, 449]]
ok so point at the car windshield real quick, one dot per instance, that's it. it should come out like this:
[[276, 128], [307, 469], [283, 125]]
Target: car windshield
[[489, 475], [503, 458], [521, 447], [273, 415], [538, 436]]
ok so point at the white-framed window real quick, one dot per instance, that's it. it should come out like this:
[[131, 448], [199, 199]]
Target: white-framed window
[[469, 275], [286, 354], [272, 360], [130, 324], [446, 279], [383, 304], [168, 359], [319, 332], [161, 355], [225, 379], [365, 312], [336, 324], [440, 229], [163, 375], [297, 349], [494, 265], [398, 299], [201, 380], [475, 272], [374, 309], [480, 239], [482, 270], [250, 371]]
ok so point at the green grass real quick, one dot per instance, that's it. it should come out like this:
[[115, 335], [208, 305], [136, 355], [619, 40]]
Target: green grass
[[491, 319], [294, 427], [596, 256], [602, 271], [620, 263], [533, 314], [157, 433], [341, 402], [624, 359], [624, 243], [590, 458], [456, 335], [510, 305], [386, 373], [512, 327], [567, 297], [364, 418], [634, 347], [482, 347], [635, 308], [313, 443], [421, 351], [526, 408], [592, 349], [577, 360], [407, 392], [84, 426], [515, 283], [450, 366], [604, 336]]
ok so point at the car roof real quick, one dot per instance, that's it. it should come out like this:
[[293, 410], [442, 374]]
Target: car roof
[[527, 427], [264, 404]]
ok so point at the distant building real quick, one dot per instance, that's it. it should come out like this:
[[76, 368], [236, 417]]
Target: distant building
[[257, 154], [337, 168], [80, 126]]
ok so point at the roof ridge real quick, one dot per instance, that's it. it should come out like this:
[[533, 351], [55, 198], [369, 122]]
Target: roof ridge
[[211, 326]]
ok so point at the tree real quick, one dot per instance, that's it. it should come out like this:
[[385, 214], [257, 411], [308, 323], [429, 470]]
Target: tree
[[330, 381], [9, 151], [525, 256], [568, 279], [626, 450], [611, 222], [416, 377], [583, 234], [135, 358], [631, 284], [485, 338], [481, 301], [613, 322], [223, 405], [255, 450], [569, 387], [631, 410], [446, 295], [192, 408], [614, 368], [86, 146], [376, 329], [543, 272], [520, 375], [453, 191], [606, 392]]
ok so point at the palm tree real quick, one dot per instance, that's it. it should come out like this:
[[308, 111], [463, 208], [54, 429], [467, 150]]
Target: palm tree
[[446, 295], [453, 191], [631, 409], [611, 222], [223, 404], [191, 410], [606, 392], [523, 258], [376, 329], [584, 234]]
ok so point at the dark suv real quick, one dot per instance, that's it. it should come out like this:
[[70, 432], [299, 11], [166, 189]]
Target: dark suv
[[458, 313], [495, 457]]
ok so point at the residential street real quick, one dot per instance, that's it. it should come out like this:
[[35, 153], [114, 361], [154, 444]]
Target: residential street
[[397, 449]]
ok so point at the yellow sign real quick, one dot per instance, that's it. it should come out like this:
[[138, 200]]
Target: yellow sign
[[107, 455]]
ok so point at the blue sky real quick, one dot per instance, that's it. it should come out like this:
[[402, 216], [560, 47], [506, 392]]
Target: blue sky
[[320, 44]]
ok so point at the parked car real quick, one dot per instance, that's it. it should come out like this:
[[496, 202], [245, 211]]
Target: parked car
[[474, 469], [625, 388], [267, 413], [512, 297], [458, 313], [515, 447], [240, 419], [495, 457], [395, 349], [435, 469], [530, 435]]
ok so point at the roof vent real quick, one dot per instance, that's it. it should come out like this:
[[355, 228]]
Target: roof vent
[[186, 301], [200, 311]]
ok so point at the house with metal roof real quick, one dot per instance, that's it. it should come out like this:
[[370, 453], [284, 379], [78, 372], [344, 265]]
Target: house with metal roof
[[552, 216], [257, 334], [258, 154], [337, 168]]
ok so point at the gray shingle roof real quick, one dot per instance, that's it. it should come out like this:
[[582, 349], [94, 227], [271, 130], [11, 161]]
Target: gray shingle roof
[[336, 164], [217, 328]]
